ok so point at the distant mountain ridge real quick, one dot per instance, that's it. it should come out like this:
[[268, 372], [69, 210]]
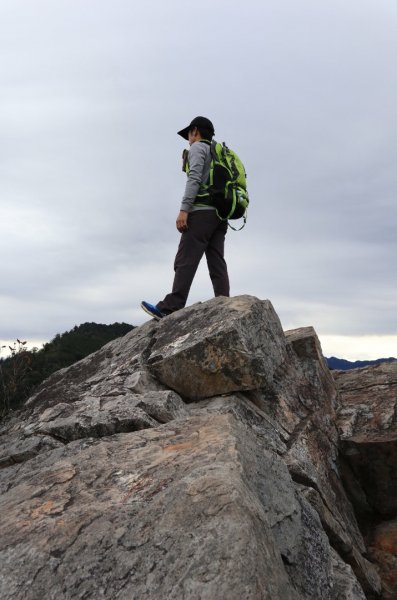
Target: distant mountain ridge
[[345, 365]]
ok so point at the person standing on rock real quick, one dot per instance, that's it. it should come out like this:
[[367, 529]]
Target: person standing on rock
[[201, 228]]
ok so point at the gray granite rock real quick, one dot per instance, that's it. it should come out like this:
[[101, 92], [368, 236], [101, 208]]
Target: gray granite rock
[[169, 512], [98, 417], [117, 368], [114, 487], [161, 513], [368, 431], [368, 403], [345, 585], [304, 402], [17, 448], [224, 345]]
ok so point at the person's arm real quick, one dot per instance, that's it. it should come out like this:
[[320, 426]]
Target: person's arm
[[197, 156]]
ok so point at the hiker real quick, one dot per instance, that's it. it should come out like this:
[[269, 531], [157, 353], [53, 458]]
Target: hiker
[[201, 228]]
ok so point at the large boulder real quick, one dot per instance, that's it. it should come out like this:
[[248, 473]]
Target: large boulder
[[225, 345]]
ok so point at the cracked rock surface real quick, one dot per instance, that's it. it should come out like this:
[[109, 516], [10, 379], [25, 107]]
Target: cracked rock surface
[[367, 420], [198, 457]]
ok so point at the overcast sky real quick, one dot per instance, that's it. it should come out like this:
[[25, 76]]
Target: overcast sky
[[92, 95]]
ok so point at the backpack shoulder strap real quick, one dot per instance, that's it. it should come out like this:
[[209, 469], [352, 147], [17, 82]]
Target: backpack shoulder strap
[[213, 150], [218, 150]]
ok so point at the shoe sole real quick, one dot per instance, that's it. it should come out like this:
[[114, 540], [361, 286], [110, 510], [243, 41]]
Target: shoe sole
[[147, 311]]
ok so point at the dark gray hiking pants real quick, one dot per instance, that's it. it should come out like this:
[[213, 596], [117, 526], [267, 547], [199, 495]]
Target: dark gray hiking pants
[[205, 234]]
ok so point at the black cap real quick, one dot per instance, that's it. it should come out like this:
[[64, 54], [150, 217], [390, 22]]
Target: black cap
[[201, 123]]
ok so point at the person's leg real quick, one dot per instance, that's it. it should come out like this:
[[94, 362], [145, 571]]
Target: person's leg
[[193, 243], [216, 262]]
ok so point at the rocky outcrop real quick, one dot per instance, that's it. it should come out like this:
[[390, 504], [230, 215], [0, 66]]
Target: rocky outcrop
[[194, 458], [367, 420]]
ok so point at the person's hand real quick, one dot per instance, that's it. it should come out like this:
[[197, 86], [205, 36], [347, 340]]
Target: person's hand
[[181, 221]]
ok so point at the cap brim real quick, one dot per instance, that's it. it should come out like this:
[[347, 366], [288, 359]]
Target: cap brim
[[184, 132]]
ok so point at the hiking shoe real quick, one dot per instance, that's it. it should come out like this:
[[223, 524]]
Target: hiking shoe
[[152, 310]]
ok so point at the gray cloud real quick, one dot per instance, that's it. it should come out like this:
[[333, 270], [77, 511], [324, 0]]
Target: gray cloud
[[90, 179]]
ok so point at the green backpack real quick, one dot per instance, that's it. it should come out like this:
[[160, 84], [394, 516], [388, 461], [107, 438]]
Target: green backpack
[[227, 184], [226, 187]]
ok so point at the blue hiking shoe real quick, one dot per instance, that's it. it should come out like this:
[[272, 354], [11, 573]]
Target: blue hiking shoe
[[152, 310]]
